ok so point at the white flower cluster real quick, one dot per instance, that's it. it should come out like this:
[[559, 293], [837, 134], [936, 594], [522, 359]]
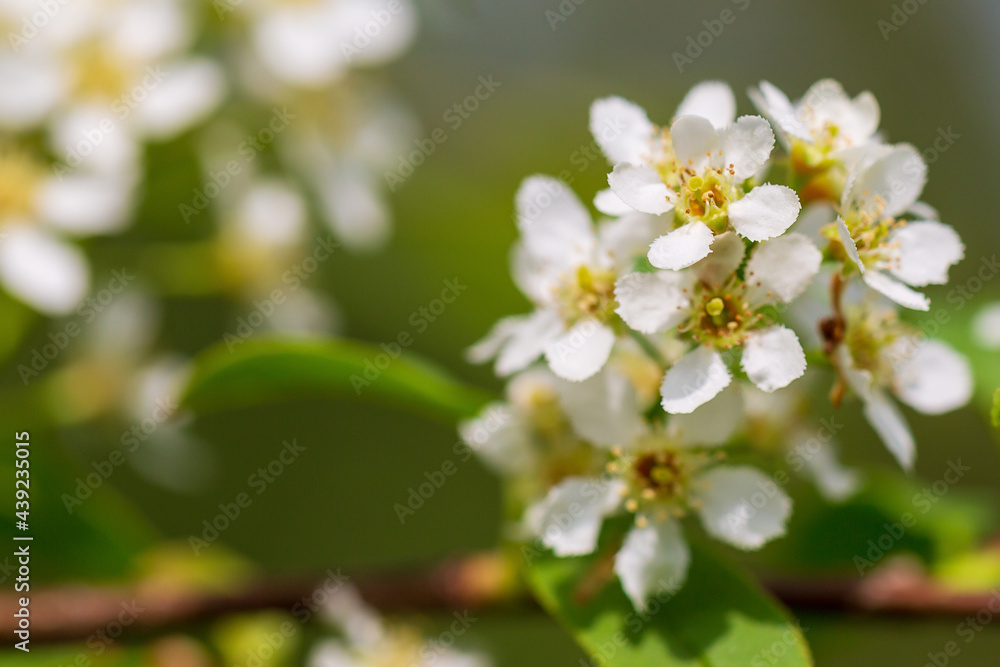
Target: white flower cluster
[[679, 294], [99, 79], [96, 80]]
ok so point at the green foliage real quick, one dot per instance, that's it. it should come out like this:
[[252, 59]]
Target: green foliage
[[995, 412], [718, 618], [257, 373]]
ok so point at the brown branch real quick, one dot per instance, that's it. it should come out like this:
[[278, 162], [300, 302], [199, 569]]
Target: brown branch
[[478, 583]]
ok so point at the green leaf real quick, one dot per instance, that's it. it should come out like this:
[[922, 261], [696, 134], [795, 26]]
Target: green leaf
[[995, 412], [719, 618], [260, 372]]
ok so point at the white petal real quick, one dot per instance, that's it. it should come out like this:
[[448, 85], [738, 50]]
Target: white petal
[[394, 35], [781, 269], [765, 212], [713, 423], [986, 327], [694, 380], [640, 187], [933, 378], [602, 409], [889, 423], [773, 357], [301, 43], [353, 206], [653, 560], [819, 460], [273, 212], [527, 340], [625, 239], [746, 145], [490, 345], [85, 204], [499, 436], [608, 203], [727, 255], [850, 247], [713, 100], [814, 217], [622, 130], [923, 251], [897, 291], [91, 137], [652, 302], [32, 88], [682, 247], [921, 210], [188, 92], [49, 275], [568, 520], [774, 104], [149, 30], [888, 184], [742, 506], [696, 142], [581, 351], [554, 224]]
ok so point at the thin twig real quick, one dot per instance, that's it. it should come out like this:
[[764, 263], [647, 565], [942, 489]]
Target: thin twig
[[480, 583]]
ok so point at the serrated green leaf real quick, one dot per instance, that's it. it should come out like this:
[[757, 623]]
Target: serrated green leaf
[[257, 373], [719, 618]]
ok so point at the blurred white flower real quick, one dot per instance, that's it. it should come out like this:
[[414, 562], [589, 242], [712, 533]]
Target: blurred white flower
[[986, 326], [37, 210], [368, 641], [882, 354], [825, 121], [313, 44], [106, 77]]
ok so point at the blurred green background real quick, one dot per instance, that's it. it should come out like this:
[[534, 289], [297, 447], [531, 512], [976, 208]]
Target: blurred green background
[[453, 221]]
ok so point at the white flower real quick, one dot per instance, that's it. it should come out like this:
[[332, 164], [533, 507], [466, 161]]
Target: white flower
[[368, 641], [625, 133], [37, 209], [825, 119], [107, 77], [659, 476], [719, 311], [986, 327], [568, 268], [313, 44], [549, 426], [893, 254], [695, 171], [880, 354], [346, 144]]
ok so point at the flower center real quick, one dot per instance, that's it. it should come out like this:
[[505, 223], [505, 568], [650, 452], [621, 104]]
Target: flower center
[[723, 317], [658, 477], [19, 179], [705, 199], [99, 73], [867, 336], [587, 293]]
